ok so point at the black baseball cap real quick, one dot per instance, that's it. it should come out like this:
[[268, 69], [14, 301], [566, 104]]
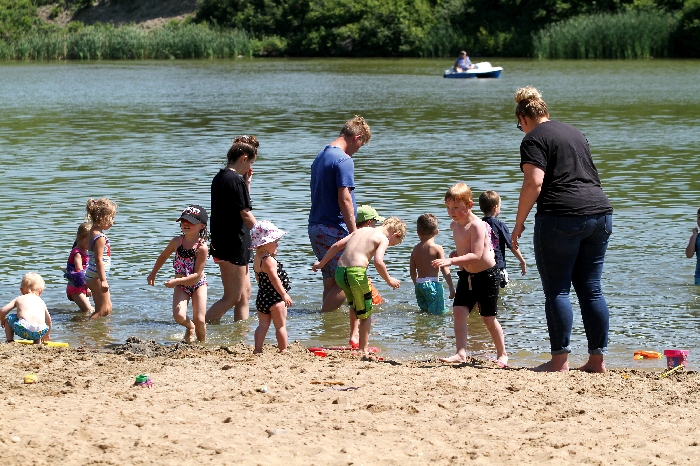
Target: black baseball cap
[[194, 214]]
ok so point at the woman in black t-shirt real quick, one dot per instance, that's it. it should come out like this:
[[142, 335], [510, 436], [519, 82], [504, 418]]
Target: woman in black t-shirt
[[230, 224], [572, 227]]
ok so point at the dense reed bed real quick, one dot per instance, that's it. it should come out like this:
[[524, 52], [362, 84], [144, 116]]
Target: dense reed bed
[[129, 42], [628, 35]]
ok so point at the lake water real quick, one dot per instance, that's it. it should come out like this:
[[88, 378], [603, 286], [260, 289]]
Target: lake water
[[151, 135]]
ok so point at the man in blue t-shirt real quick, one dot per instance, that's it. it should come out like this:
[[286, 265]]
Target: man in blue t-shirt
[[333, 207]]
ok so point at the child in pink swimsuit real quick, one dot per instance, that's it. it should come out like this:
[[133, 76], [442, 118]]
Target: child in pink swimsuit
[[77, 289], [191, 253]]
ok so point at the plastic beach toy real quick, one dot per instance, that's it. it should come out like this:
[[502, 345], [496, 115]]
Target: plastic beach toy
[[143, 380], [51, 344], [641, 354], [676, 357], [262, 389], [30, 378]]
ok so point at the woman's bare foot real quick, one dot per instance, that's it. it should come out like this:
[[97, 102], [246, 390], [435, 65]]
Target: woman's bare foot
[[595, 363], [455, 358], [558, 363]]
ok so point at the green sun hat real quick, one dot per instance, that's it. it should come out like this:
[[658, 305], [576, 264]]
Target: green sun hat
[[365, 212]]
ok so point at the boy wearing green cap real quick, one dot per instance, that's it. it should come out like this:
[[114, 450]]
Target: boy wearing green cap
[[367, 217]]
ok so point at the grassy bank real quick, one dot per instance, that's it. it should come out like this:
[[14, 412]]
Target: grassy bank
[[130, 42], [632, 34]]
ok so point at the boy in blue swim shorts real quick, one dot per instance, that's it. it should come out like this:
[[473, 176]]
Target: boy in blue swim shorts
[[429, 291], [351, 275], [32, 320]]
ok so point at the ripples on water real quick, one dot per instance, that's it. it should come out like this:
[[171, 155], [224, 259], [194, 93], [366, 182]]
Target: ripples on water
[[151, 135]]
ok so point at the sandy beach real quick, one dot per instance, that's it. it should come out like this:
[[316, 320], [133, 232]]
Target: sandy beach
[[203, 407]]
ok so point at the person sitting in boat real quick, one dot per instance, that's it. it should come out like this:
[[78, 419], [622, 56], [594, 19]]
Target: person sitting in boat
[[462, 63]]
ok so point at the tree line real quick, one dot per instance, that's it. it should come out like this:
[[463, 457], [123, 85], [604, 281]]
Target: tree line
[[433, 28], [398, 28]]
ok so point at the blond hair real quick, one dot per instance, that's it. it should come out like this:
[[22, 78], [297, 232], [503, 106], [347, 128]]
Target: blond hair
[[357, 126], [33, 282], [427, 224], [98, 211], [83, 232], [459, 192], [488, 201], [395, 225], [529, 103]]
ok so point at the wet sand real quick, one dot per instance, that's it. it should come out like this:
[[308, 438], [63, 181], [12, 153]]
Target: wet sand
[[203, 407]]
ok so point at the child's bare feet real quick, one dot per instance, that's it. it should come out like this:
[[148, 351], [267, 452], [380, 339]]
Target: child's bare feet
[[189, 334], [455, 358], [502, 361]]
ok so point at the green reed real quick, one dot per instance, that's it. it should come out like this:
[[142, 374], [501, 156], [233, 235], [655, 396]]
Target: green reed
[[130, 42], [627, 35], [441, 42]]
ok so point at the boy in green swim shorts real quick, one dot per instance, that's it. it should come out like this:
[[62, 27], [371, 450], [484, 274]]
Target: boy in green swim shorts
[[351, 275]]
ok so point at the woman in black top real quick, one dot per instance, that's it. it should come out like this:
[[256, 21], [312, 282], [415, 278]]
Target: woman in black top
[[231, 221], [573, 224]]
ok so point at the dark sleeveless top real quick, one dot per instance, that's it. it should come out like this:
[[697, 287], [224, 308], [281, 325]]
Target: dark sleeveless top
[[267, 294]]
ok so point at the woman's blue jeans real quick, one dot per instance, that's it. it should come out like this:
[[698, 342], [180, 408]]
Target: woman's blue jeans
[[571, 250]]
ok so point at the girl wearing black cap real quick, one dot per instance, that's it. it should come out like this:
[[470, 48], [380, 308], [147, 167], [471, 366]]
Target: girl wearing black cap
[[190, 281]]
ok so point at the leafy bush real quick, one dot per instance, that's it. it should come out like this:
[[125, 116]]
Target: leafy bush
[[687, 37], [17, 16], [329, 27]]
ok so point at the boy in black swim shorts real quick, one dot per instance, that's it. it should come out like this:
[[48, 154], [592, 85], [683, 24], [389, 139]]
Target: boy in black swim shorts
[[478, 278], [479, 288]]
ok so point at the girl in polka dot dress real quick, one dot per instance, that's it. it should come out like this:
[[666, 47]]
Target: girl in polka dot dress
[[273, 284]]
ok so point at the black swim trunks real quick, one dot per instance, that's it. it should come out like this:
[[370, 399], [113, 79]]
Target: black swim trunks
[[481, 288]]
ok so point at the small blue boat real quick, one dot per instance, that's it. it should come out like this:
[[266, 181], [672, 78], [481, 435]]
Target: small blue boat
[[479, 70]]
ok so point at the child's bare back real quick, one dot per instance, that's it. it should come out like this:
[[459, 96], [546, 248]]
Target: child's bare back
[[361, 246], [31, 308], [423, 254]]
